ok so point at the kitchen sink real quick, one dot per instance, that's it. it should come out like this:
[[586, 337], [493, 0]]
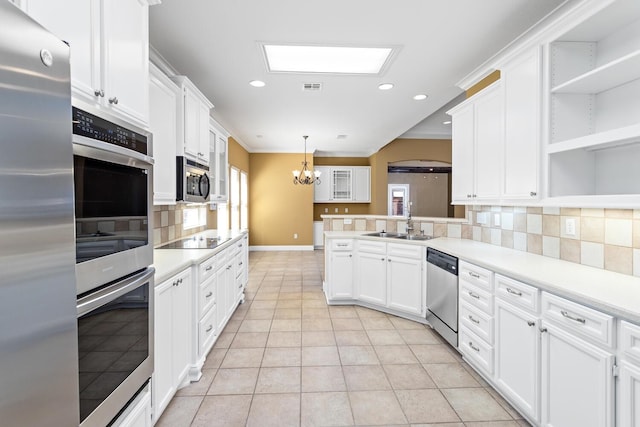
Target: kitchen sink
[[413, 237], [382, 234]]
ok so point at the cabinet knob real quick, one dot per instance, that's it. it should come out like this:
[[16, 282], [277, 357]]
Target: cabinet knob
[[531, 323], [533, 193], [475, 195], [543, 330], [113, 100], [468, 196], [98, 92]]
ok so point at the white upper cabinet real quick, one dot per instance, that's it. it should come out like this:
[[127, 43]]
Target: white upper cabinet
[[193, 126], [594, 117], [477, 147], [522, 81], [163, 122], [343, 184], [109, 41], [219, 149]]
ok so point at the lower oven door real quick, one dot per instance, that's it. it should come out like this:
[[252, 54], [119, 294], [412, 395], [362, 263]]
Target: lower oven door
[[115, 346]]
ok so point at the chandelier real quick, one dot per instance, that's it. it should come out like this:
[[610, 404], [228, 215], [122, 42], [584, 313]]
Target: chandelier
[[306, 176]]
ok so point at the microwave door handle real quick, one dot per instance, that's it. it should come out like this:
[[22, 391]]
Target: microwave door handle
[[103, 296], [204, 178]]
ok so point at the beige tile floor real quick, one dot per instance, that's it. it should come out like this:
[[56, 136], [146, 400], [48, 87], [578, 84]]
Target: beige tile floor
[[288, 359]]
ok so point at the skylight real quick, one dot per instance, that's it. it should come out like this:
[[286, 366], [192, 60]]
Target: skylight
[[326, 59]]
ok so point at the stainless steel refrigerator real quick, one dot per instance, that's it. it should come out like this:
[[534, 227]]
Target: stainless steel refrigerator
[[38, 327]]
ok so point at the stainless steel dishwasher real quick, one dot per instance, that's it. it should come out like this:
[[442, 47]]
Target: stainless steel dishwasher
[[442, 294]]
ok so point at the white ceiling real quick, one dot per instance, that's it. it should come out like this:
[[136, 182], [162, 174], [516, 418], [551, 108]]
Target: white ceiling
[[216, 44]]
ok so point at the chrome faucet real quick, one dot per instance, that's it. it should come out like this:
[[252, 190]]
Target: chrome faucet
[[409, 220]]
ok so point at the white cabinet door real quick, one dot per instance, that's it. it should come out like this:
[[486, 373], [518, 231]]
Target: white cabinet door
[[522, 82], [372, 278], [341, 275], [577, 381], [203, 133], [125, 57], [181, 328], [362, 184], [164, 386], [517, 357], [322, 191], [405, 290], [341, 184], [629, 395], [222, 167], [462, 154], [164, 96], [221, 295], [191, 123], [488, 143], [78, 24]]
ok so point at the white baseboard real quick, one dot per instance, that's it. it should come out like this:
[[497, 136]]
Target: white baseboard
[[281, 248]]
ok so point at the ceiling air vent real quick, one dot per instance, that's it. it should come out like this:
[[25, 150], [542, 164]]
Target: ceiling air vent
[[311, 87]]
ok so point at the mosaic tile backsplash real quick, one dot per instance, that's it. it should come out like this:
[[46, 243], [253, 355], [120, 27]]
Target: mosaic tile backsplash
[[167, 224], [602, 238]]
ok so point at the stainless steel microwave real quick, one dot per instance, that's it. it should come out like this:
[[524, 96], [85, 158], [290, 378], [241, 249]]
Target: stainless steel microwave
[[192, 181]]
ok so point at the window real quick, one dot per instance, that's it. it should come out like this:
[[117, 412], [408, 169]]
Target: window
[[244, 200], [234, 198]]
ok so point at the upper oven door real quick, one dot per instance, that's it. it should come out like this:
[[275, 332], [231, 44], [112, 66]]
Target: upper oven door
[[113, 215]]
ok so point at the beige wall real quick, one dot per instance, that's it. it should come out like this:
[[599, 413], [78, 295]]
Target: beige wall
[[399, 150], [277, 207]]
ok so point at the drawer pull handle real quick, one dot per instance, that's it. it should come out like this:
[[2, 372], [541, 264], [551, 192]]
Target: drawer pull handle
[[209, 268], [472, 295], [568, 316], [476, 321], [531, 323], [240, 286], [472, 274], [240, 263], [473, 346], [381, 259], [342, 245], [517, 293], [209, 295], [209, 328]]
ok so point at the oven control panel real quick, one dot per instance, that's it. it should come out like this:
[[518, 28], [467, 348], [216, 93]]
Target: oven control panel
[[94, 127]]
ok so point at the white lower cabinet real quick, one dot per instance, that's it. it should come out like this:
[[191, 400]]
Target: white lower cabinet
[[517, 371], [172, 332], [371, 273], [405, 271], [340, 265], [628, 395], [577, 381]]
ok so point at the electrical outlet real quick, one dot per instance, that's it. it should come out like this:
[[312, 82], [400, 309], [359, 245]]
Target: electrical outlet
[[570, 227], [348, 221], [346, 210], [336, 210], [496, 220], [295, 235], [326, 210]]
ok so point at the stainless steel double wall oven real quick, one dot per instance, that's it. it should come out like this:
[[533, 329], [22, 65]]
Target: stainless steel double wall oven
[[114, 250]]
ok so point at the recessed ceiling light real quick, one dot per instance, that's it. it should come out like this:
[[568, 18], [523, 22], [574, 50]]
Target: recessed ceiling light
[[385, 86], [446, 122], [326, 59], [420, 97], [257, 83]]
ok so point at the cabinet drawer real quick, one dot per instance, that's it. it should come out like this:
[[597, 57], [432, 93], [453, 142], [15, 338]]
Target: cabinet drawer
[[584, 321], [207, 268], [341, 244], [479, 353], [476, 321], [630, 340], [479, 276], [475, 296], [406, 251], [372, 247], [207, 330], [207, 296], [517, 293]]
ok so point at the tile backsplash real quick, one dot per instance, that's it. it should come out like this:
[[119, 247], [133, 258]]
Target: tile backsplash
[[602, 238], [167, 224]]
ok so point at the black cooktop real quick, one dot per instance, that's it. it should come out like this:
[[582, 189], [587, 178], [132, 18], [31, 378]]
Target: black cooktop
[[195, 243]]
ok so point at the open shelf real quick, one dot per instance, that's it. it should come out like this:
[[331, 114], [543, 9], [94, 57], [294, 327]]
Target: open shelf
[[601, 140], [607, 76]]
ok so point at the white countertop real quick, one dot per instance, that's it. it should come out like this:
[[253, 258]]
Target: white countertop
[[614, 293], [168, 262]]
